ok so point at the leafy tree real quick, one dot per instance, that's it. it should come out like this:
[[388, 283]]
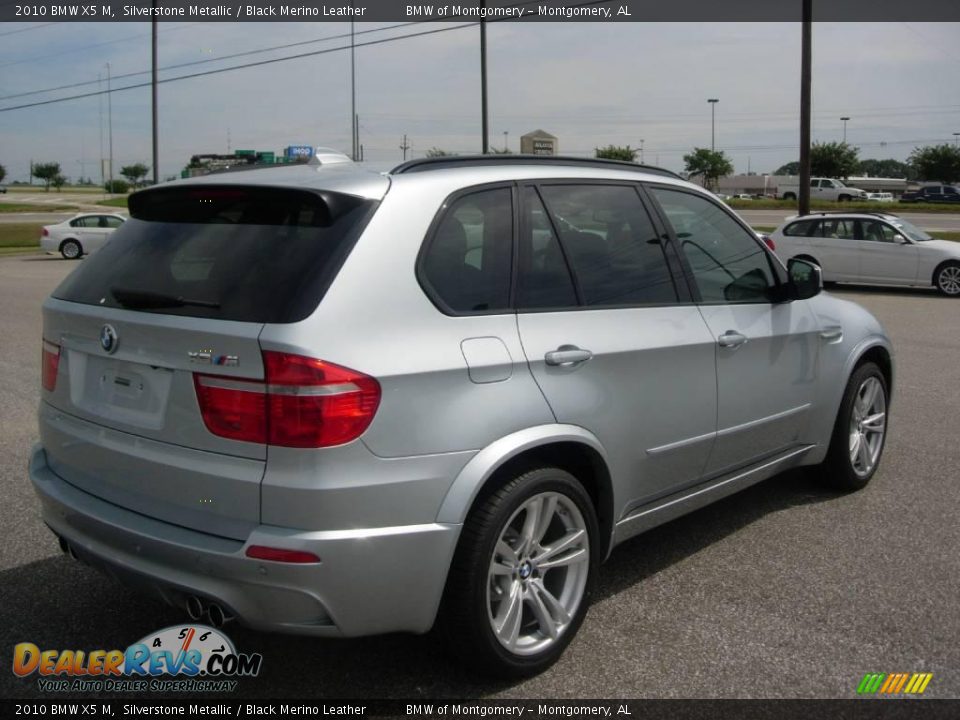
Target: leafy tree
[[116, 186], [134, 173], [791, 168], [615, 152], [712, 164], [437, 152], [58, 181], [46, 172], [833, 160], [889, 168], [940, 163], [3, 173]]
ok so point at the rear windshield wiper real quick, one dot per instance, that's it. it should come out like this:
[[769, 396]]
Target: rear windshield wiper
[[143, 300]]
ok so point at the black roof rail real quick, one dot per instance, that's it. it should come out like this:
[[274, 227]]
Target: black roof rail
[[451, 161], [878, 213]]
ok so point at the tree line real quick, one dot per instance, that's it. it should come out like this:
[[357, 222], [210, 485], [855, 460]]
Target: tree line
[[51, 174]]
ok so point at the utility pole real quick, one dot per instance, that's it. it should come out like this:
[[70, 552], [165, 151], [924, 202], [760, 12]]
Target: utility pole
[[641, 151], [353, 94], [103, 175], [844, 119], [506, 146], [110, 128], [713, 121], [485, 145], [405, 146], [805, 75], [156, 153], [956, 138]]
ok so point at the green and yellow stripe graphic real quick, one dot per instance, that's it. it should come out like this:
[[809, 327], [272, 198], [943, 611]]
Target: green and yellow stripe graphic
[[894, 683]]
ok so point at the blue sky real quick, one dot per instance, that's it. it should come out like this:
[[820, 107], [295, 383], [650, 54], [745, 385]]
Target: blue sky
[[591, 84]]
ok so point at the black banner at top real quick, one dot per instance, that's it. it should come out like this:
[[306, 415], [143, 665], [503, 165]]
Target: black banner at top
[[475, 10]]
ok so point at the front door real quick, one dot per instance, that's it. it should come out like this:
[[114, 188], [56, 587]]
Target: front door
[[766, 351]]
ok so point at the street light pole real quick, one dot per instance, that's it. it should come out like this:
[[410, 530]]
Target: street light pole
[[713, 121], [956, 138], [153, 85], [506, 147], [110, 129], [844, 128], [641, 151]]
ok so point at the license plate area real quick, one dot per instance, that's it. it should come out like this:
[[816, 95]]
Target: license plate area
[[120, 392]]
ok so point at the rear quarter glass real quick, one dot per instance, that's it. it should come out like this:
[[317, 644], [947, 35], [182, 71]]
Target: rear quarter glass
[[250, 254]]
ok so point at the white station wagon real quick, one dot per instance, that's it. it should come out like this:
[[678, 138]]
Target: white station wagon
[[874, 248]]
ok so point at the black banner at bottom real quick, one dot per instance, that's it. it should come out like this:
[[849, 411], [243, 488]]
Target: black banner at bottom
[[858, 709]]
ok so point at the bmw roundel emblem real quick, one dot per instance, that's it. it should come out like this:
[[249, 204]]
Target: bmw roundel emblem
[[108, 338]]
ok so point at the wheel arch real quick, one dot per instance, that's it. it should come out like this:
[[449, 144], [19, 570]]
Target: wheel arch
[[942, 264], [881, 357], [568, 447]]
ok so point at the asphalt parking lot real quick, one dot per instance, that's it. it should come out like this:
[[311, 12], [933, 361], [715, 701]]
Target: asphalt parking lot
[[781, 591]]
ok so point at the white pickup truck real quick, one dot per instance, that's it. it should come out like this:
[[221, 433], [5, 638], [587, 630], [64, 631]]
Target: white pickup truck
[[822, 189]]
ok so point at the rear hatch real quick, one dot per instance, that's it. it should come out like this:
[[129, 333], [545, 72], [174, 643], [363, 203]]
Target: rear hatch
[[146, 343]]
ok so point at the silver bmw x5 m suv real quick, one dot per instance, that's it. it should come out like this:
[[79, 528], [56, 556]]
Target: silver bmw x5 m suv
[[328, 401]]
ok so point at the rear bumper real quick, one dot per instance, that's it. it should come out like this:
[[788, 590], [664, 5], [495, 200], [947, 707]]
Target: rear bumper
[[369, 580]]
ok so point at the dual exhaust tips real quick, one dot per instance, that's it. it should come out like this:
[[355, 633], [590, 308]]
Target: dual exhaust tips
[[196, 608], [199, 609]]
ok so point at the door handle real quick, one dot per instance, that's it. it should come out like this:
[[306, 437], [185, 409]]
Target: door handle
[[832, 332], [731, 339], [567, 355]]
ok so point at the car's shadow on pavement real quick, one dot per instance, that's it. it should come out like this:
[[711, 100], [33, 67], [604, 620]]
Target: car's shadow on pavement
[[58, 603]]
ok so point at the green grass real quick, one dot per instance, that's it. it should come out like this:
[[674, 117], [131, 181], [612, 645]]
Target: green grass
[[19, 235], [895, 207], [27, 207], [120, 202]]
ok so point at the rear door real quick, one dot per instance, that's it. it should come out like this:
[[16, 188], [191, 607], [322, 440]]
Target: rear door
[[612, 340], [766, 351], [834, 245], [155, 401]]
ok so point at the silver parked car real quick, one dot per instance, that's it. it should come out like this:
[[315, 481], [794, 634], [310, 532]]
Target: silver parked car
[[333, 402], [873, 248], [80, 235]]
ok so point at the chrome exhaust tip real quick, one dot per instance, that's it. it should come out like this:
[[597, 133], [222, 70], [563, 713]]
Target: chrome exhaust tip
[[218, 618], [194, 606]]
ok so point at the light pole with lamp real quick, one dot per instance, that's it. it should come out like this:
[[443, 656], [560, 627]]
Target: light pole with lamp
[[844, 119], [713, 121]]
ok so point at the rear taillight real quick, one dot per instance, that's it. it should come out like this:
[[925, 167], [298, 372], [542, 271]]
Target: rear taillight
[[768, 241], [303, 403], [263, 552], [50, 363], [44, 232]]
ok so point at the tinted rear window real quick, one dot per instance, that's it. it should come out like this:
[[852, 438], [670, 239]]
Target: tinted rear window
[[228, 252]]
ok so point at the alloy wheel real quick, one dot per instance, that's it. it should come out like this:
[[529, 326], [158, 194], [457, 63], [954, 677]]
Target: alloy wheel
[[868, 426]]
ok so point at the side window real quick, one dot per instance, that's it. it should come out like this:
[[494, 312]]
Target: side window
[[840, 229], [83, 222], [611, 244], [543, 277], [876, 231], [113, 222], [467, 261], [728, 263], [799, 228]]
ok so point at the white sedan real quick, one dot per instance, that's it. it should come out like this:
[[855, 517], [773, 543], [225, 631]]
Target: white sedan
[[79, 235], [874, 248]]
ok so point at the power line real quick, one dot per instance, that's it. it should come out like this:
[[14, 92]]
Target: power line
[[241, 67], [209, 60], [27, 29]]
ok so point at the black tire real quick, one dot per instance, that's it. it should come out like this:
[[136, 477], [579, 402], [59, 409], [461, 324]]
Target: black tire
[[844, 198], [947, 279], [466, 617], [71, 250], [789, 196], [838, 471]]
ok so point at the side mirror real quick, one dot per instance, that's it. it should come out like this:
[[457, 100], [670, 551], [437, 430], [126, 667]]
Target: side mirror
[[899, 239], [806, 279]]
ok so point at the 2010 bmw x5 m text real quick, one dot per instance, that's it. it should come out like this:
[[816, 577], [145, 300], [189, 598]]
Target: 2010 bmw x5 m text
[[328, 401]]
